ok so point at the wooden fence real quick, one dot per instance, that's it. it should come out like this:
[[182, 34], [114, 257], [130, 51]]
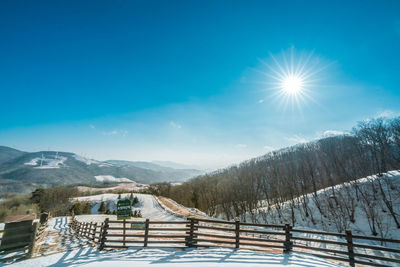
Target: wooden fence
[[18, 239], [340, 247]]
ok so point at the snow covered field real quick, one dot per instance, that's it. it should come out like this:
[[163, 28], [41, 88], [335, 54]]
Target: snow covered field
[[148, 205], [126, 187], [110, 178], [167, 257]]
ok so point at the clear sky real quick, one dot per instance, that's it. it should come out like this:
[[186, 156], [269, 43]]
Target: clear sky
[[188, 81]]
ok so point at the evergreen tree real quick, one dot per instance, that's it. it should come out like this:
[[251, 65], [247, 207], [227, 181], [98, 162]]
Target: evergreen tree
[[86, 208], [135, 201], [76, 208], [102, 207]]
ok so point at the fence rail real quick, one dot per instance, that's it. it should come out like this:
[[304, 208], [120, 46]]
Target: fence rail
[[195, 232], [20, 238]]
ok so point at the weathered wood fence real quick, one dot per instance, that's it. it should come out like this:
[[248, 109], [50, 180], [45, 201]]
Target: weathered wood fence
[[340, 247], [18, 239]]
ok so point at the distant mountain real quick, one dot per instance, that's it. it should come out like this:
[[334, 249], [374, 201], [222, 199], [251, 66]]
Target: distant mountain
[[23, 171], [8, 153], [175, 172], [174, 165]]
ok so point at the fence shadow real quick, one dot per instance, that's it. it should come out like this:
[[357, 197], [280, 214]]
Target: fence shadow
[[207, 256]]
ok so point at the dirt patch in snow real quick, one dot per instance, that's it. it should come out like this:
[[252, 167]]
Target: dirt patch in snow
[[181, 210]]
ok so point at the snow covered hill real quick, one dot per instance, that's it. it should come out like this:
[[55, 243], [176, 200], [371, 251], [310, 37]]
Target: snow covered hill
[[22, 172], [360, 205]]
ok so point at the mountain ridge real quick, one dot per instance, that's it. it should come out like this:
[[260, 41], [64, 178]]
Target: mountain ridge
[[22, 171]]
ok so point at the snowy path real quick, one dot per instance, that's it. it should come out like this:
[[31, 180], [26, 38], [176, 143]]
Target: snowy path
[[209, 257], [151, 209], [59, 237], [148, 205]]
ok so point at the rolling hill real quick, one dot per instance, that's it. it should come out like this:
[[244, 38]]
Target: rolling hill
[[22, 172]]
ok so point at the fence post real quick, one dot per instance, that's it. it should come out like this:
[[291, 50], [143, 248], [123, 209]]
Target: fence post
[[89, 233], [80, 228], [33, 240], [104, 234], [288, 244], [350, 248], [237, 232], [88, 225], [190, 238], [83, 229], [94, 232], [101, 232], [195, 228], [146, 233], [123, 233]]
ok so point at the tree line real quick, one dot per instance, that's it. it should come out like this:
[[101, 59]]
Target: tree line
[[277, 180]]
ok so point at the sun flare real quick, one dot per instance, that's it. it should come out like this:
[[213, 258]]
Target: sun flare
[[293, 78], [292, 85]]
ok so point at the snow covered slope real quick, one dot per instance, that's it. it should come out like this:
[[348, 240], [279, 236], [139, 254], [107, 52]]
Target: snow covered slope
[[112, 179], [148, 205], [359, 205]]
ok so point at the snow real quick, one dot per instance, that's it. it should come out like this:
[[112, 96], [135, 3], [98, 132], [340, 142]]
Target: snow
[[168, 257], [110, 178], [148, 205], [61, 247], [179, 210], [125, 187], [47, 163], [59, 237], [343, 192], [88, 161]]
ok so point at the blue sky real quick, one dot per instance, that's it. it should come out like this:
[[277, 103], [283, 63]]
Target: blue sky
[[187, 81]]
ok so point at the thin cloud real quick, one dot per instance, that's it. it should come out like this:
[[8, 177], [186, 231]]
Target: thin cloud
[[241, 145], [269, 148], [92, 126], [175, 125], [296, 139], [115, 132], [389, 114], [330, 133]]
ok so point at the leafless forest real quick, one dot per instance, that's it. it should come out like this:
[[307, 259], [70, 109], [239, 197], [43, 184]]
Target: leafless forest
[[278, 180]]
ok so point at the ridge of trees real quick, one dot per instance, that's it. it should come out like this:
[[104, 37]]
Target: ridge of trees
[[373, 147]]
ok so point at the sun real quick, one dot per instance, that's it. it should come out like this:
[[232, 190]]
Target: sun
[[292, 85], [293, 78]]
